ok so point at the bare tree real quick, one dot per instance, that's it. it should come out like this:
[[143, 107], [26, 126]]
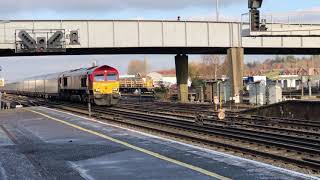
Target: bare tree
[[213, 65], [137, 67]]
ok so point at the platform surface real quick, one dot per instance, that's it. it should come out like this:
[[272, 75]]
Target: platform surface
[[58, 145]]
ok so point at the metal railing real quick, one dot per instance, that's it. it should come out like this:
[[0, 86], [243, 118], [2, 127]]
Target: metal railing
[[289, 24]]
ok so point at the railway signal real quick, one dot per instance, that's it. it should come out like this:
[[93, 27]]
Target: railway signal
[[255, 19], [31, 41], [27, 41], [55, 40], [254, 5], [74, 37], [216, 102], [221, 114], [41, 44]]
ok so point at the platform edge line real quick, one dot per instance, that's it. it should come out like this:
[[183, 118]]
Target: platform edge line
[[157, 155]]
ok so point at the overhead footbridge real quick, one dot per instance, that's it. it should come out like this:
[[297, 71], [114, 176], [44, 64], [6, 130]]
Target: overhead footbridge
[[39, 37], [82, 37]]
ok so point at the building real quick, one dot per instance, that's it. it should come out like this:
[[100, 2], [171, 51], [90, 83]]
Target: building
[[274, 93], [220, 88], [290, 81], [167, 78], [257, 93]]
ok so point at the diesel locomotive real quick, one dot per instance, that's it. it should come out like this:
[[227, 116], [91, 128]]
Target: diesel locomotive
[[131, 83], [98, 84]]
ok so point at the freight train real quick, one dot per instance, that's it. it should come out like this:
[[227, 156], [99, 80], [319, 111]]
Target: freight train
[[129, 84], [98, 84]]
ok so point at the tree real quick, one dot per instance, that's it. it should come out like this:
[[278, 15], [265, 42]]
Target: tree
[[137, 67], [194, 70], [211, 64], [210, 67], [252, 65], [214, 66]]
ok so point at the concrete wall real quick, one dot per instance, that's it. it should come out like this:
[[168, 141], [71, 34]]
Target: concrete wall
[[297, 109]]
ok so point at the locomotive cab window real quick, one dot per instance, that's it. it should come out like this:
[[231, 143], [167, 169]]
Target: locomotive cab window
[[112, 77], [84, 81], [99, 77], [65, 82]]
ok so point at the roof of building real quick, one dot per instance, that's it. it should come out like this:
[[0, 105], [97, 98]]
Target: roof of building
[[171, 72]]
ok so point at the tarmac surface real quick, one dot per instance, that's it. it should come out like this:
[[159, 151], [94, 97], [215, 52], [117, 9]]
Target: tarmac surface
[[48, 144]]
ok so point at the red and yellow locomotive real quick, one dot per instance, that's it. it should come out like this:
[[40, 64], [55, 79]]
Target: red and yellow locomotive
[[99, 84]]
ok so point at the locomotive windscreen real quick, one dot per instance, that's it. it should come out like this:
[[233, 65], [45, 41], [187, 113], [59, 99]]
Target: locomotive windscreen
[[112, 77], [99, 77]]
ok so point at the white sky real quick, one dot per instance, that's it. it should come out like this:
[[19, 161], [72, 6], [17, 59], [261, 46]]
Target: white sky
[[20, 67]]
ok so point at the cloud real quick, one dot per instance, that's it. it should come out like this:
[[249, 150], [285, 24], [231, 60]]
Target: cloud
[[20, 6]]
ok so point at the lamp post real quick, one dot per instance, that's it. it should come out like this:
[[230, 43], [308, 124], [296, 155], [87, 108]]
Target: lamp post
[[256, 88], [88, 94], [0, 91], [217, 10], [0, 101]]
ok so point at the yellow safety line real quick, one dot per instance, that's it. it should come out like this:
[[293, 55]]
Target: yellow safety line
[[189, 166]]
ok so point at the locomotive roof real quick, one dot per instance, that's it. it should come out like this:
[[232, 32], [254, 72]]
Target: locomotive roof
[[44, 77], [83, 71], [67, 73]]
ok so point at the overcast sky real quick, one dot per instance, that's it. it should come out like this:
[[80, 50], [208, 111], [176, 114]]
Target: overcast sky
[[20, 67]]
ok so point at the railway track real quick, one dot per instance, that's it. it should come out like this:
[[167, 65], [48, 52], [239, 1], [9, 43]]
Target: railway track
[[301, 126], [243, 136], [283, 150], [23, 100]]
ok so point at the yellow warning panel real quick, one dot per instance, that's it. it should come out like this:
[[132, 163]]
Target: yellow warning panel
[[1, 82]]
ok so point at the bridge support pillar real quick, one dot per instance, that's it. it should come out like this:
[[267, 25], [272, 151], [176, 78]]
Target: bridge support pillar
[[182, 74], [236, 61]]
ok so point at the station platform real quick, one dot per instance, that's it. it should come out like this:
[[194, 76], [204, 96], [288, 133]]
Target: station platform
[[42, 143]]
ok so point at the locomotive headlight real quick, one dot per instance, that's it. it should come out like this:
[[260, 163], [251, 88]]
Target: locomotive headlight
[[115, 89], [97, 90]]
